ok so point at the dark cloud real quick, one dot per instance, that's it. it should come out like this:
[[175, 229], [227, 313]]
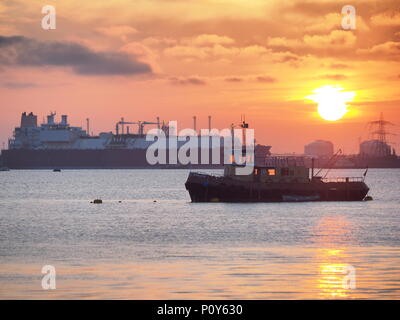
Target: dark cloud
[[22, 51], [233, 79], [338, 66], [18, 85], [266, 79], [286, 57], [187, 81]]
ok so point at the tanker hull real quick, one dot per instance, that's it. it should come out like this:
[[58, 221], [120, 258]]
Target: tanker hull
[[85, 159]]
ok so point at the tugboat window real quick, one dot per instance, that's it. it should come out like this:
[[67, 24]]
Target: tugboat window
[[284, 171], [263, 171], [271, 172]]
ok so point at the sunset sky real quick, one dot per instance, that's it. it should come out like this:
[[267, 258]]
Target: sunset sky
[[140, 59]]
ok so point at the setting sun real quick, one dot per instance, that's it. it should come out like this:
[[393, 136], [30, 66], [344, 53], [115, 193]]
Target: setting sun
[[331, 102]]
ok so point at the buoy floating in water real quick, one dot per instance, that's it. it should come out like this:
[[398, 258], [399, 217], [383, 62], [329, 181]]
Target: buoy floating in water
[[97, 201]]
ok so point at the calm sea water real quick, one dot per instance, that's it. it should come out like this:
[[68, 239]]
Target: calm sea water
[[148, 241]]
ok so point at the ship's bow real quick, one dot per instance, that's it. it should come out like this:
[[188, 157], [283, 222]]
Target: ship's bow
[[196, 184]]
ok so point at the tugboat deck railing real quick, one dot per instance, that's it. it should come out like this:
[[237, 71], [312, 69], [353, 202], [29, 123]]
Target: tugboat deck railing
[[343, 179], [325, 180], [216, 175]]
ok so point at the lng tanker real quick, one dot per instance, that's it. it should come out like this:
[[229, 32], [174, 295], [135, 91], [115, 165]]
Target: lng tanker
[[59, 145]]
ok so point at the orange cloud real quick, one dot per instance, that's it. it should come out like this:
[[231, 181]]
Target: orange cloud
[[215, 51], [336, 77], [386, 19], [336, 39], [121, 32], [208, 40], [266, 79], [156, 42], [387, 50], [143, 54]]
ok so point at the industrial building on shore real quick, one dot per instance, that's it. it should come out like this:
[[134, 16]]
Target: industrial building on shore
[[319, 149]]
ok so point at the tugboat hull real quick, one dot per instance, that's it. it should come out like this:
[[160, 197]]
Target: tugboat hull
[[206, 188]]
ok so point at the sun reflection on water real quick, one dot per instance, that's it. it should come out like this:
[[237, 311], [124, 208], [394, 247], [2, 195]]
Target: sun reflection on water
[[331, 257], [330, 279]]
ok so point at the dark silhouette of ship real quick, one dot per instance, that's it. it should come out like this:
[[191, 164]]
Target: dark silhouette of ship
[[273, 179], [286, 181], [58, 145]]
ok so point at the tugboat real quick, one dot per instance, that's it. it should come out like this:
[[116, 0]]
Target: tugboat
[[283, 180]]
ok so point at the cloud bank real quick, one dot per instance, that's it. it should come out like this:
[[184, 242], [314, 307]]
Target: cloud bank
[[27, 52]]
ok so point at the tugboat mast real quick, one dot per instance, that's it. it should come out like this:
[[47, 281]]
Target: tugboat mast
[[244, 125]]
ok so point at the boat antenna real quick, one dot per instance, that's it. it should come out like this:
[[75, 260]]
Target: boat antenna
[[365, 173], [312, 167], [330, 163], [334, 159], [88, 126]]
